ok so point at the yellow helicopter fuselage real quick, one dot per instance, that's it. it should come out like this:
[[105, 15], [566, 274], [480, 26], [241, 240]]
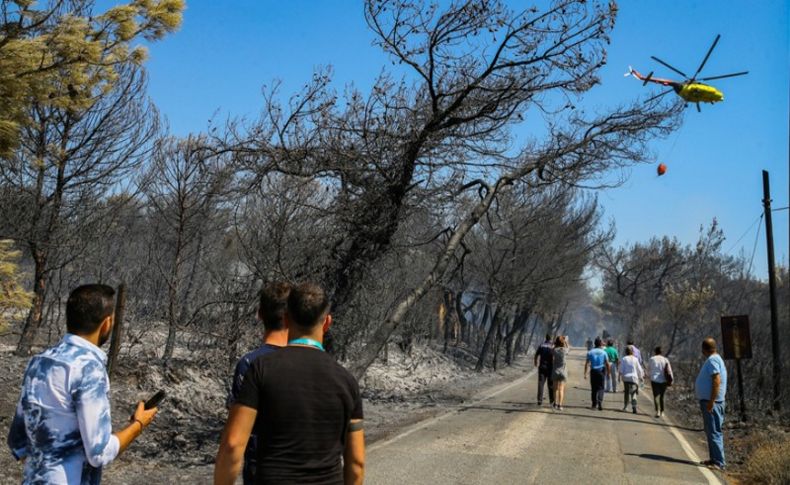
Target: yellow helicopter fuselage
[[700, 93]]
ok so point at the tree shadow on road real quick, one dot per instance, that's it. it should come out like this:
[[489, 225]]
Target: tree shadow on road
[[531, 407], [669, 459]]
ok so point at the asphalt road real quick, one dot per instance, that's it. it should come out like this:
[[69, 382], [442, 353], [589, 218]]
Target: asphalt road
[[506, 438]]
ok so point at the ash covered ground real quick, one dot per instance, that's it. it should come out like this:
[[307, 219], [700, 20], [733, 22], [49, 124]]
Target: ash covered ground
[[181, 444]]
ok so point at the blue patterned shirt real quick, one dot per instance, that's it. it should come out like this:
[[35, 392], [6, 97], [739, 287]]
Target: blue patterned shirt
[[62, 422]]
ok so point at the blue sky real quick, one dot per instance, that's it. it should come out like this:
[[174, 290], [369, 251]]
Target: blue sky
[[226, 51]]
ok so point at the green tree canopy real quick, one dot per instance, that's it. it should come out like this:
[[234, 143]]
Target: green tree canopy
[[59, 53], [12, 295]]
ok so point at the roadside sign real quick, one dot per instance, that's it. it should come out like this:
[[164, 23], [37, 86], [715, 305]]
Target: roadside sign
[[736, 338]]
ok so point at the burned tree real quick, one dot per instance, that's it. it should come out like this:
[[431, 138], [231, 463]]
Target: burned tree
[[66, 162]]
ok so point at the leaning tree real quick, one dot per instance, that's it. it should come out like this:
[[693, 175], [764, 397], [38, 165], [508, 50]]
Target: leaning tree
[[440, 123]]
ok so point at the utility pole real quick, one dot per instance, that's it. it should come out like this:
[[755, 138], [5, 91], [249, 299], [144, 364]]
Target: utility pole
[[769, 234]]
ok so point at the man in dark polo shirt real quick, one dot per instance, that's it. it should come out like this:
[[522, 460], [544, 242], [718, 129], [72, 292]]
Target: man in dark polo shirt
[[271, 312], [311, 408]]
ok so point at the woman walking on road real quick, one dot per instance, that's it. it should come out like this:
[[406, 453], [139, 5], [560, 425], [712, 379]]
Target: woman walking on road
[[631, 374], [559, 371], [660, 378]]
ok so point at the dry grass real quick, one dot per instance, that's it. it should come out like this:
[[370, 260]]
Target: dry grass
[[769, 463]]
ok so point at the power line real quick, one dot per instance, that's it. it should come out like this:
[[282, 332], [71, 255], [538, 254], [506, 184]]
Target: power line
[[748, 230], [754, 249]]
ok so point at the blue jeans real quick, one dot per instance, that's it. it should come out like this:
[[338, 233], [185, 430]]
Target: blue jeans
[[713, 430]]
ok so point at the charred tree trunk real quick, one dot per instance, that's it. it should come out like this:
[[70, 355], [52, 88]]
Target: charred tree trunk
[[117, 330], [532, 332], [519, 323], [33, 321], [449, 306], [492, 330]]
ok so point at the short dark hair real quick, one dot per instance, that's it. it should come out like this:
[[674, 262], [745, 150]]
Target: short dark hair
[[658, 350], [709, 345], [273, 305], [610, 343], [598, 341], [87, 307], [630, 341], [307, 305], [548, 337]]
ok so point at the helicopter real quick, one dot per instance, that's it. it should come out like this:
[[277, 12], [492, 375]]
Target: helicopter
[[691, 89]]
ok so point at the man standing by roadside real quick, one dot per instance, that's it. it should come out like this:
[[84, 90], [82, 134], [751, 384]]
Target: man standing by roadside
[[545, 354], [614, 361], [62, 426], [271, 312], [310, 406], [711, 388], [598, 365]]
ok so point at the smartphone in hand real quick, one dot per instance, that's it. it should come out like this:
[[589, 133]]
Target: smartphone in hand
[[155, 399]]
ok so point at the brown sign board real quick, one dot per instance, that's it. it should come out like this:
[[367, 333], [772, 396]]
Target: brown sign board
[[735, 337]]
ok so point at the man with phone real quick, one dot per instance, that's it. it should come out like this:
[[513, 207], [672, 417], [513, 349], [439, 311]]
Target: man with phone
[[62, 427], [310, 407], [271, 312]]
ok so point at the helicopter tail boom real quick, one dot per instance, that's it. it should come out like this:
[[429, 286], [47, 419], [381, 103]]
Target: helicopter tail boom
[[649, 78]]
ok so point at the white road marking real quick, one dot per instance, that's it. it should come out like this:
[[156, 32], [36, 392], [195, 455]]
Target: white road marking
[[436, 419], [692, 455]]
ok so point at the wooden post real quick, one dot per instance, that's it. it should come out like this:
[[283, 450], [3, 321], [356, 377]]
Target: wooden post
[[777, 360], [117, 329]]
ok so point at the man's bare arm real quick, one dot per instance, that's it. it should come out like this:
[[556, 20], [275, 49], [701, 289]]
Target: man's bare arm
[[140, 420], [354, 454], [714, 391], [230, 456]]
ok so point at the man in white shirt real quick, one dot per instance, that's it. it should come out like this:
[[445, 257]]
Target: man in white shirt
[[631, 374], [659, 369], [62, 426]]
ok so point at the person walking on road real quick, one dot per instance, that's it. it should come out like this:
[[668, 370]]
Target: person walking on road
[[711, 388], [589, 344], [597, 364], [614, 362], [545, 354], [559, 370], [660, 378], [637, 353], [632, 374]]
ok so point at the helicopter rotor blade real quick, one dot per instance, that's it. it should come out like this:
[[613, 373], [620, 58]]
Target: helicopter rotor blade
[[658, 95], [724, 75], [715, 41], [667, 65], [698, 109]]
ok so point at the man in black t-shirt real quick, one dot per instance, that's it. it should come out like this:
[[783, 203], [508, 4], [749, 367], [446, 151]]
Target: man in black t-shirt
[[311, 407], [545, 355]]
